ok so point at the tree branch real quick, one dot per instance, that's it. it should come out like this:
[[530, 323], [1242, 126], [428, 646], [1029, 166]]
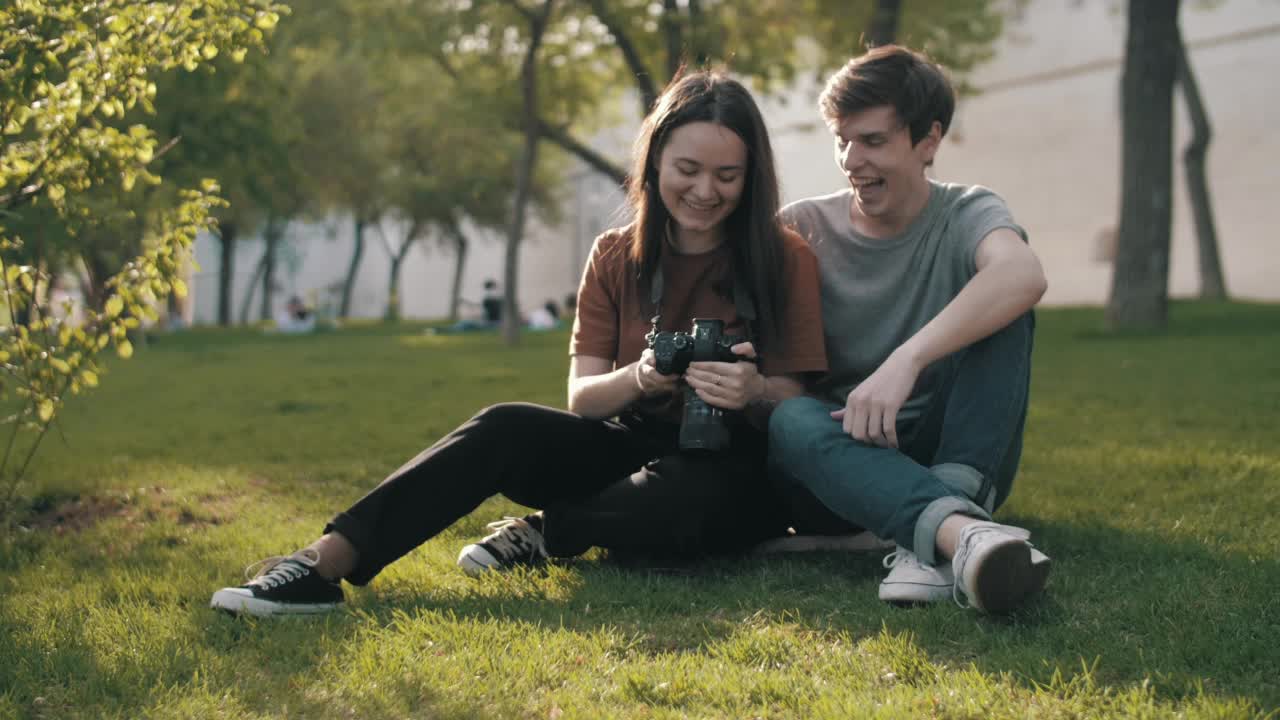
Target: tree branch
[[597, 161], [671, 31], [524, 11], [643, 78]]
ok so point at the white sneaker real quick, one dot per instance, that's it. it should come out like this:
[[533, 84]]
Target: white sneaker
[[910, 581], [513, 542], [996, 568]]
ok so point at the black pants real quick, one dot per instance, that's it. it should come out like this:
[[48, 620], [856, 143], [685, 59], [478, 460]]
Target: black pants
[[618, 485]]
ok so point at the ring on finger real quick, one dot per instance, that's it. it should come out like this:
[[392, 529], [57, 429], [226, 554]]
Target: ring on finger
[[717, 380]]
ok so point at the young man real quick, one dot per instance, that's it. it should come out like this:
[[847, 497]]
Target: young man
[[927, 290]]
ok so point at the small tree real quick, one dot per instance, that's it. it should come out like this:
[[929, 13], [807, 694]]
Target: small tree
[[67, 72]]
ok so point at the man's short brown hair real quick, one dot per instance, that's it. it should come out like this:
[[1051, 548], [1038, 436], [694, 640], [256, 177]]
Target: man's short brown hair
[[917, 89]]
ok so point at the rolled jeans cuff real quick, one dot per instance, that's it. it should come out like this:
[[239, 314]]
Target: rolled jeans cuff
[[968, 481], [926, 535]]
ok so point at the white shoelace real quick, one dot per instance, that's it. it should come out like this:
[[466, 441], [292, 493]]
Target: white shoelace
[[274, 571], [901, 556], [514, 537]]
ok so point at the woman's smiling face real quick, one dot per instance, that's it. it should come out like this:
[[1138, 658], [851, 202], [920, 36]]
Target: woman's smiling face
[[701, 176]]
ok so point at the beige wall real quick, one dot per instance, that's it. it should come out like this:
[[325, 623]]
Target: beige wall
[[1045, 135]]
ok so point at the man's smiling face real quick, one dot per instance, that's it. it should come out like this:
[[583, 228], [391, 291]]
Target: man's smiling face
[[874, 151]]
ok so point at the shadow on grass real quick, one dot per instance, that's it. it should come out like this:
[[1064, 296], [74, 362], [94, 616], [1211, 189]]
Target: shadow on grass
[[1142, 606], [143, 645], [1136, 607]]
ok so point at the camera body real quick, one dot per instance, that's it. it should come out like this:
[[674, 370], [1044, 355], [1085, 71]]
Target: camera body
[[702, 426]]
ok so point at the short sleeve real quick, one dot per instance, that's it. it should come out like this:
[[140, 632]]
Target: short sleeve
[[979, 213], [796, 216], [802, 348], [595, 327]]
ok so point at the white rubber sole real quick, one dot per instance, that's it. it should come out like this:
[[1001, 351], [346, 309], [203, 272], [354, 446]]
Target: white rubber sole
[[475, 560], [915, 593], [233, 600]]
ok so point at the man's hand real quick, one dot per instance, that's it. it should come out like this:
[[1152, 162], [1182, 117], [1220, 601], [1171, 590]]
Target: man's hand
[[729, 386], [651, 382], [871, 412]]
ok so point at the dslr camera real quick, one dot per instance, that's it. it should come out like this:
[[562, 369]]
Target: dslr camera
[[702, 426]]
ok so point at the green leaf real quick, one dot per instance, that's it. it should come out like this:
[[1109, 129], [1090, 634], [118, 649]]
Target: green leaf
[[46, 410], [114, 306], [60, 365], [89, 377], [124, 349]]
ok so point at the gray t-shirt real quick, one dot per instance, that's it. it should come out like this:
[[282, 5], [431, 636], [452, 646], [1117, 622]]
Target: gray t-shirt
[[877, 293]]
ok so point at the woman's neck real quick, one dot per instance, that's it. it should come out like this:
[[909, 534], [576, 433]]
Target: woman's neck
[[693, 242]]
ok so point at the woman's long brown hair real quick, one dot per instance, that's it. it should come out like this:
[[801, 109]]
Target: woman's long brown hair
[[752, 231]]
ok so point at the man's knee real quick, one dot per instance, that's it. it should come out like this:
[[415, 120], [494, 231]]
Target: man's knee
[[793, 422]]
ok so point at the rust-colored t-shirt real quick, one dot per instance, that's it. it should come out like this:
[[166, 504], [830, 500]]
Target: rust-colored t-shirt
[[611, 322]]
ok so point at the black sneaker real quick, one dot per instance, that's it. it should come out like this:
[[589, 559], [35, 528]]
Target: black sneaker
[[513, 542], [281, 586]]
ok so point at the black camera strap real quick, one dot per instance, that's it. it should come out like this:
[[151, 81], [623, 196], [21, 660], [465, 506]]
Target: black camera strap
[[742, 303]]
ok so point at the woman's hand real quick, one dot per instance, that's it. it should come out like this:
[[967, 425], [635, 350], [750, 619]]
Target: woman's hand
[[730, 386], [651, 382]]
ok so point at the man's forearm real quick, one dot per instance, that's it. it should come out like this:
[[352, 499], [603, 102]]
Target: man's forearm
[[996, 296]]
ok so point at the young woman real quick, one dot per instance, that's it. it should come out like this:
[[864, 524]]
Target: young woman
[[705, 243]]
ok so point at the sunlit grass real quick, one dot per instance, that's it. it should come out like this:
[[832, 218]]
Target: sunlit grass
[[1151, 476]]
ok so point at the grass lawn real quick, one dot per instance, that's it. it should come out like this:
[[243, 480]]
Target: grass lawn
[[1151, 476]]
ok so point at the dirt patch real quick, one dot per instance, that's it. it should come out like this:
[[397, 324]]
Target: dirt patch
[[143, 506], [77, 515]]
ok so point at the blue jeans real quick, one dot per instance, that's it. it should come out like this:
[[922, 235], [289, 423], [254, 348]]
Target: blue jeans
[[959, 456]]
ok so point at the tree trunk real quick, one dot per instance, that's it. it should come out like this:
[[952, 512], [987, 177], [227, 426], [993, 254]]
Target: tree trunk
[[271, 236], [1140, 282], [884, 23], [524, 174], [392, 313], [344, 309], [226, 270], [247, 304], [93, 282], [459, 262], [1213, 285]]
